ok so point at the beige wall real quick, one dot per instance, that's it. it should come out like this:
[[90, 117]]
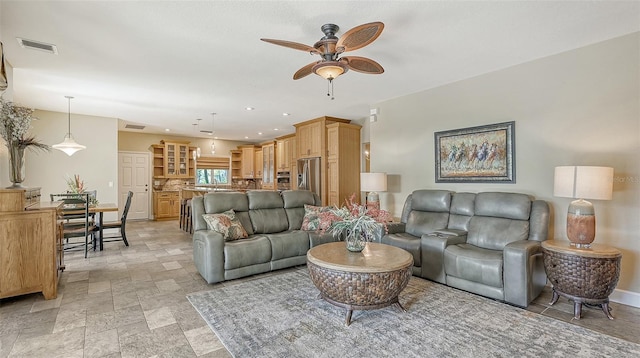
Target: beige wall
[[97, 165], [576, 108], [141, 142]]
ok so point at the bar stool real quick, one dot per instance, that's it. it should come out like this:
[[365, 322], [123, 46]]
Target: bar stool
[[188, 225], [183, 213]]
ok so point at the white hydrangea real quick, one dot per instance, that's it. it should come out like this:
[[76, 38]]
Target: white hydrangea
[[15, 121]]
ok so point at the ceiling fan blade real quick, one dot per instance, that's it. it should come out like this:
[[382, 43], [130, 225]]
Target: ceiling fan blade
[[304, 71], [293, 45], [363, 65], [359, 36]]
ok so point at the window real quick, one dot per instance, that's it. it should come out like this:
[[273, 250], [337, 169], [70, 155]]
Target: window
[[212, 176]]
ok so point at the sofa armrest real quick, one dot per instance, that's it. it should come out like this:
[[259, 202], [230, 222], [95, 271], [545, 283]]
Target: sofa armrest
[[392, 228], [524, 275], [208, 254], [432, 248]]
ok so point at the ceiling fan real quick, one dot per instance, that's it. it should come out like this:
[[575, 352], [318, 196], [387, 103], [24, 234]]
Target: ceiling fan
[[330, 47]]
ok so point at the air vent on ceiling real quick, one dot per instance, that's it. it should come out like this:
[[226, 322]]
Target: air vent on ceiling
[[134, 126], [208, 132], [37, 45]]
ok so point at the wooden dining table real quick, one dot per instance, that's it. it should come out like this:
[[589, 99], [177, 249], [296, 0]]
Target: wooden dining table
[[98, 209]]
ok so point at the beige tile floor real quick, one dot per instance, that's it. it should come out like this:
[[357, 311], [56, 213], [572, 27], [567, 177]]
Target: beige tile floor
[[130, 302]]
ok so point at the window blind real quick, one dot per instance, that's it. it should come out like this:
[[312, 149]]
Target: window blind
[[212, 163]]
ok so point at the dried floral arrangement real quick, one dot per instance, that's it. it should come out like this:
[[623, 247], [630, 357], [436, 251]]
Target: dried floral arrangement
[[15, 122]]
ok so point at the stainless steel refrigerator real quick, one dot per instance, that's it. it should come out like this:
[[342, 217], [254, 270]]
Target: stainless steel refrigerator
[[309, 175]]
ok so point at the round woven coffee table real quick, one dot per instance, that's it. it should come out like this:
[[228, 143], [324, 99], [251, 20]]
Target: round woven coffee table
[[364, 280], [583, 275]]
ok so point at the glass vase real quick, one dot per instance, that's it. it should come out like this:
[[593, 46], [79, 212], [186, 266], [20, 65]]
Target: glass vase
[[356, 240], [16, 167]]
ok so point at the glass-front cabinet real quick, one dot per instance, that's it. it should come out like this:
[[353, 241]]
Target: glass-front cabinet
[[177, 162]]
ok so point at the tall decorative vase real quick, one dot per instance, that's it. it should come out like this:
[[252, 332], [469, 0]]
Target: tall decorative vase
[[356, 241], [16, 166]]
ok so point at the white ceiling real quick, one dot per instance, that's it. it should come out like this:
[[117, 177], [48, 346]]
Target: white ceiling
[[163, 64]]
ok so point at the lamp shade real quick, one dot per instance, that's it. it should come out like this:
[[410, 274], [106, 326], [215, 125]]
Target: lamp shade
[[373, 181], [584, 182]]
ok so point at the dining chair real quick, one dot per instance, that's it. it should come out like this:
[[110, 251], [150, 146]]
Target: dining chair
[[120, 225], [76, 220]]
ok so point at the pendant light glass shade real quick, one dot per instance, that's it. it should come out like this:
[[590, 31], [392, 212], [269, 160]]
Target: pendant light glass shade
[[69, 145], [197, 152]]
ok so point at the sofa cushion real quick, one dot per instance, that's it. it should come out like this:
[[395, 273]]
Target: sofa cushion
[[495, 233], [318, 218], [462, 209], [288, 244], [218, 202], [424, 222], [266, 210], [431, 200], [294, 202], [407, 242], [503, 205], [252, 251], [474, 264], [227, 224]]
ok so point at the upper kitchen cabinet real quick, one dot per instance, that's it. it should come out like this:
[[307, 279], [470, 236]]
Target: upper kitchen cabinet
[[248, 160], [311, 136], [173, 160], [284, 152]]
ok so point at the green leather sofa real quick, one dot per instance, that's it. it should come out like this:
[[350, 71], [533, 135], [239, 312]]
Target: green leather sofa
[[272, 220]]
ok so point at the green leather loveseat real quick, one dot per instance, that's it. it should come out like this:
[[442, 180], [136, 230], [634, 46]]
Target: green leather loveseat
[[485, 243]]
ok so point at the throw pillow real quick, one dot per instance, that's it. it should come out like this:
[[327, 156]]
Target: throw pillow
[[227, 224], [318, 218]]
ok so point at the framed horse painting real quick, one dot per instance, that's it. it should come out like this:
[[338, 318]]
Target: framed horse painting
[[482, 154]]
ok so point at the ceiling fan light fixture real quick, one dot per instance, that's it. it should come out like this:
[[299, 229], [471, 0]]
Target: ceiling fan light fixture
[[329, 70]]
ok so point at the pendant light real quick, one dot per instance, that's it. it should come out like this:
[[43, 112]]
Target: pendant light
[[213, 143], [69, 145], [196, 152]]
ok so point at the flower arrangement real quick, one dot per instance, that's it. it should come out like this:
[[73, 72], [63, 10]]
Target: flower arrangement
[[76, 186], [358, 223], [15, 122]]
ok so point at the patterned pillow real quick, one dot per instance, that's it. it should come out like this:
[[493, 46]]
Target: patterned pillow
[[318, 218], [226, 224]]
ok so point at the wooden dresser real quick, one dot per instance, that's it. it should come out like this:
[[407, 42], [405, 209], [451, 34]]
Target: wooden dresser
[[31, 256]]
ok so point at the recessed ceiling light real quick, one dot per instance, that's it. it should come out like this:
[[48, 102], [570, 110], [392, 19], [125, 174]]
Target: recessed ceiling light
[[245, 137], [167, 130], [249, 108], [275, 129], [215, 137], [259, 133], [285, 114]]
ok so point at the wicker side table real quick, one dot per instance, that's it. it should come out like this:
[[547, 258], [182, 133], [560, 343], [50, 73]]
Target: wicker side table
[[583, 275], [363, 280]]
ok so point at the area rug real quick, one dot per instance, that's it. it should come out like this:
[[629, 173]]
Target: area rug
[[282, 316]]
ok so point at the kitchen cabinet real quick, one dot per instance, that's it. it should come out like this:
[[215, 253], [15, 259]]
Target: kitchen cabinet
[[258, 164], [268, 166], [31, 256], [283, 152], [248, 159], [312, 141], [173, 160], [236, 164], [310, 137], [166, 205], [343, 162]]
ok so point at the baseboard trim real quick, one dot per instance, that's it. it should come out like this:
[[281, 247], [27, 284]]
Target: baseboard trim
[[628, 298]]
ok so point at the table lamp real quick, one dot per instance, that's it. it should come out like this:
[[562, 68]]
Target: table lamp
[[582, 182], [372, 183]]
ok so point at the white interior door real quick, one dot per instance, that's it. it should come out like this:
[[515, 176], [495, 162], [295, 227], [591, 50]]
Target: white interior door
[[133, 173]]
